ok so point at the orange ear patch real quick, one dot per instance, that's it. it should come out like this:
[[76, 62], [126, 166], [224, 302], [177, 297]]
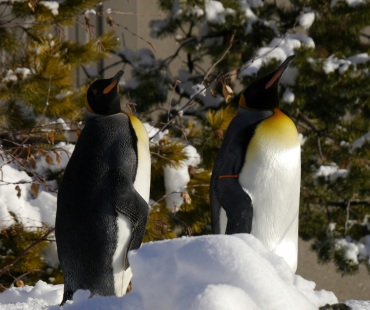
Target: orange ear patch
[[88, 107], [242, 102]]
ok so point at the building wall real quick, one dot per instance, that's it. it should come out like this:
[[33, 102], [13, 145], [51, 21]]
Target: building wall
[[132, 28]]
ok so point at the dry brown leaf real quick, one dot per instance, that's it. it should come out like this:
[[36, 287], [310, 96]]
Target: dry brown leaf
[[227, 92], [51, 137], [31, 160], [32, 5], [58, 157], [35, 187], [49, 159], [78, 132], [41, 153]]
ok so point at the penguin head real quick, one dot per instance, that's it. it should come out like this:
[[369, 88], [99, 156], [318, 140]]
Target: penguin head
[[103, 97], [263, 93]]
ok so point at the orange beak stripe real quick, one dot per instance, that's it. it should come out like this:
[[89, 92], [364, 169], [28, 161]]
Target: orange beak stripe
[[110, 87], [274, 78]]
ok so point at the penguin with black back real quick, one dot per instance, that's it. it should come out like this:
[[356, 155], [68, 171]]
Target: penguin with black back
[[102, 205], [255, 183]]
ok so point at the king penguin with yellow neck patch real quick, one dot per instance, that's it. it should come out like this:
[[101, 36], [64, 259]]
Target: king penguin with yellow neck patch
[[255, 183], [102, 206]]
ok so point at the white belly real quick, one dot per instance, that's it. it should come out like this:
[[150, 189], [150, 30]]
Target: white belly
[[122, 278], [271, 177]]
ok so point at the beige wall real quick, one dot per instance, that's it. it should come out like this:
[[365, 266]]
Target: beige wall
[[132, 27]]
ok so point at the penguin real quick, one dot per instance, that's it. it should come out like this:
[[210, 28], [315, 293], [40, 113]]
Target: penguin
[[102, 202], [255, 182]]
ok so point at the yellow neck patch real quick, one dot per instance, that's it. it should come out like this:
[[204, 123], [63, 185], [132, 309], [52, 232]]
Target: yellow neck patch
[[141, 133], [280, 128]]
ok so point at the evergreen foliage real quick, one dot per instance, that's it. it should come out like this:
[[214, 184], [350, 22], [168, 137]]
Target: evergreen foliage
[[331, 106]]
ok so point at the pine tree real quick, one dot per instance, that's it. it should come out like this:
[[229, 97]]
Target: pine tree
[[37, 86]]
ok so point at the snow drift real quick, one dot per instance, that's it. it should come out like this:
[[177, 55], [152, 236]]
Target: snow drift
[[215, 272]]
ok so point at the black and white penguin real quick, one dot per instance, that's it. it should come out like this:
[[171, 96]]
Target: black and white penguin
[[102, 205], [255, 183]]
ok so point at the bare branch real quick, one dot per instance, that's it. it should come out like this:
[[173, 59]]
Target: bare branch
[[231, 42]]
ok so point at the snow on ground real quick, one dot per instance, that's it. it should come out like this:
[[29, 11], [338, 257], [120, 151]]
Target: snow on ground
[[201, 273], [198, 273]]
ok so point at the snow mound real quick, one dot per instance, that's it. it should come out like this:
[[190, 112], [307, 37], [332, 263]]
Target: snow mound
[[40, 296], [215, 272]]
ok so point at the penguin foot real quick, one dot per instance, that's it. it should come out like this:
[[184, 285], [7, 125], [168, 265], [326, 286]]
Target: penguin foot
[[129, 288], [68, 295], [339, 306]]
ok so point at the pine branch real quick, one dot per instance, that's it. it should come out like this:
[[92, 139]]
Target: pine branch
[[20, 256]]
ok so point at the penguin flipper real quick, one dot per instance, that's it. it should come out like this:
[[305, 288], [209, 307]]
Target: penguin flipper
[[136, 209], [236, 203]]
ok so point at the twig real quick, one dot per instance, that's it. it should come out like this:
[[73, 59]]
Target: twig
[[178, 191], [37, 177], [320, 150], [347, 217], [231, 42], [171, 98], [161, 156]]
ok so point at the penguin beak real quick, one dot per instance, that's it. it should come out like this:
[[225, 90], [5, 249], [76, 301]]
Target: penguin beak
[[279, 71], [113, 83]]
